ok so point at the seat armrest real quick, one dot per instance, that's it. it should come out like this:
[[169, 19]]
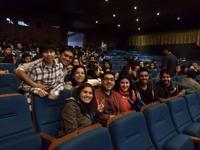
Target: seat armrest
[[47, 137], [71, 135], [195, 139]]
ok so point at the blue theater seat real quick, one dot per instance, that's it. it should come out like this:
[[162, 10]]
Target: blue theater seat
[[193, 106], [96, 139], [7, 66], [46, 113], [130, 132], [8, 83], [162, 130], [181, 118], [16, 131]]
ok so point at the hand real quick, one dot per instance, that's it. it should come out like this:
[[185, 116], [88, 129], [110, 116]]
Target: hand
[[41, 86], [42, 93], [182, 93], [52, 96], [100, 107], [111, 116]]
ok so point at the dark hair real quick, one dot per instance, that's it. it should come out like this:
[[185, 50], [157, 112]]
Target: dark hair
[[9, 59], [74, 82], [65, 48], [107, 72], [24, 55], [6, 46], [45, 45], [103, 64], [144, 69], [125, 69], [164, 71], [86, 108], [92, 71]]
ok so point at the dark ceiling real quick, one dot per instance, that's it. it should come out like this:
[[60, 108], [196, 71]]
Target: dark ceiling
[[82, 14]]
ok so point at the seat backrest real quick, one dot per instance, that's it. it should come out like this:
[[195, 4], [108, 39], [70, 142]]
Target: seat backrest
[[198, 95], [193, 106], [159, 124], [9, 83], [7, 66], [46, 113], [179, 112], [16, 129], [130, 132], [98, 139]]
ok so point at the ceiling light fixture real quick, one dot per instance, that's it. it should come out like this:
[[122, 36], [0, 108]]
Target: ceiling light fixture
[[114, 15], [158, 14], [139, 29], [135, 7], [178, 18], [96, 21], [118, 25], [106, 0], [137, 19]]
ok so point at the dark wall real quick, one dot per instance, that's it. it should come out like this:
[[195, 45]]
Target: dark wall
[[35, 33]]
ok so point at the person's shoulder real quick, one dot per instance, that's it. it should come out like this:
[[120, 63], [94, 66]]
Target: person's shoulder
[[71, 101]]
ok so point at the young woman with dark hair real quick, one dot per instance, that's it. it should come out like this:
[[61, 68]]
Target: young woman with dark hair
[[125, 88], [79, 111]]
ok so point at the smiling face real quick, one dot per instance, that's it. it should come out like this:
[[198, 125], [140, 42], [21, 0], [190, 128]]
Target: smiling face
[[79, 75], [66, 58], [49, 56], [108, 82], [86, 95], [165, 79], [143, 77], [124, 84]]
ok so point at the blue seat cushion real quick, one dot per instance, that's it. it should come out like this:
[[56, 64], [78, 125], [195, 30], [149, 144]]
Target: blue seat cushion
[[193, 129], [21, 141], [179, 142]]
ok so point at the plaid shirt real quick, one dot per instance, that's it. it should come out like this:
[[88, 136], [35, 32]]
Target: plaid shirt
[[52, 77]]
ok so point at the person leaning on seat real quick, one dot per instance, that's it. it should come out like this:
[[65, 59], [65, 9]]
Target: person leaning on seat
[[79, 110]]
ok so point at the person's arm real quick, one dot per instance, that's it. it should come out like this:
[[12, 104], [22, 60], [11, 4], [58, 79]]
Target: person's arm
[[59, 85], [21, 72], [181, 93], [69, 116]]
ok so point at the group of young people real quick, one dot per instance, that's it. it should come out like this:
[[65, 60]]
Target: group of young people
[[91, 101]]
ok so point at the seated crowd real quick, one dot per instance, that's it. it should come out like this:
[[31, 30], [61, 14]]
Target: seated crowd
[[97, 93]]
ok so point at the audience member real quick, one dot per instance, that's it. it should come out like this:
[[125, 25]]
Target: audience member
[[109, 102], [66, 57], [125, 88], [165, 89], [48, 72], [144, 89], [169, 61], [79, 111]]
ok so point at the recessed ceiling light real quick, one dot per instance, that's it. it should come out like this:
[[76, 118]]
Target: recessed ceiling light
[[118, 25], [137, 19], [139, 29], [178, 18], [135, 8], [158, 14], [96, 21], [106, 0], [114, 15]]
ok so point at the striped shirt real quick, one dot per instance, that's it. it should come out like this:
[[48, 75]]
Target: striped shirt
[[52, 77]]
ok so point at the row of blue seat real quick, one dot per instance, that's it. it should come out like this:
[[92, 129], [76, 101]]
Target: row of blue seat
[[16, 122], [160, 127]]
